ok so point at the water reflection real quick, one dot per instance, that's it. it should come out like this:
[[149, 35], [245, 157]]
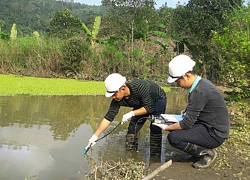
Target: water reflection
[[41, 137]]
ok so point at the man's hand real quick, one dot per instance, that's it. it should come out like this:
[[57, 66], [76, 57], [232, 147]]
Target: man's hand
[[162, 126], [91, 143], [127, 116], [92, 140]]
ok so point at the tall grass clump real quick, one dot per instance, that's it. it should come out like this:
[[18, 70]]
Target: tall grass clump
[[31, 56], [77, 57], [114, 59], [43, 56]]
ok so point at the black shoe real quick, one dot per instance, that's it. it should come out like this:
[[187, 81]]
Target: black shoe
[[155, 144], [131, 142], [207, 159]]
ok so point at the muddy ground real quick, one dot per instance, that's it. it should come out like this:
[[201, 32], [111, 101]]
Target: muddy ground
[[232, 161], [228, 165]]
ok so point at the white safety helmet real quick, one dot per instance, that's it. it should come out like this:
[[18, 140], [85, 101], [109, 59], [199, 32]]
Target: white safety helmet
[[179, 66], [113, 83]]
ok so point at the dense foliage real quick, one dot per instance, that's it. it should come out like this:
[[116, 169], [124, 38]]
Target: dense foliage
[[64, 25], [35, 15], [49, 38], [232, 48], [197, 20], [130, 37]]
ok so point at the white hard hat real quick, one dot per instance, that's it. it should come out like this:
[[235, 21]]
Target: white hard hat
[[113, 83], [178, 66]]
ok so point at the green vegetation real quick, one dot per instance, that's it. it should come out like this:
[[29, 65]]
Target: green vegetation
[[31, 15], [13, 85], [121, 170], [234, 46], [64, 25], [136, 41], [133, 39], [92, 36], [58, 40]]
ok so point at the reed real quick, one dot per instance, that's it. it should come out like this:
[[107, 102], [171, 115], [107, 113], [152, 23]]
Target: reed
[[42, 56]]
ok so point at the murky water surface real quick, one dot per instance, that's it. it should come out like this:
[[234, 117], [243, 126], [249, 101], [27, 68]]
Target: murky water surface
[[41, 137]]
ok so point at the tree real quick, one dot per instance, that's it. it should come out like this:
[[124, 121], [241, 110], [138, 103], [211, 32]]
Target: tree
[[13, 33], [197, 20], [92, 35], [4, 36], [131, 17], [64, 25], [232, 47]]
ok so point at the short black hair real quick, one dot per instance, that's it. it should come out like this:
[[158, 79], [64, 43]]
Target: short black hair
[[192, 72]]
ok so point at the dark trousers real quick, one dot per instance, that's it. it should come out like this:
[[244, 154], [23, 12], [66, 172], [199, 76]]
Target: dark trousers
[[199, 134], [137, 122]]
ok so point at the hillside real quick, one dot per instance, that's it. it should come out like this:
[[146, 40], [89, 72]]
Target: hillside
[[35, 15]]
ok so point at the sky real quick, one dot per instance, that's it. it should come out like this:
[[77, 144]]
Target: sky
[[170, 3]]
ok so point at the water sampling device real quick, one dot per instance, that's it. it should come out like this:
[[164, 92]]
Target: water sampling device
[[86, 149], [161, 119]]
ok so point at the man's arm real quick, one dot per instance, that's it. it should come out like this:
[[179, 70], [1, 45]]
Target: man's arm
[[175, 126], [102, 126], [140, 111]]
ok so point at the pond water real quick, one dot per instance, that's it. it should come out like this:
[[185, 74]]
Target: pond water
[[41, 137]]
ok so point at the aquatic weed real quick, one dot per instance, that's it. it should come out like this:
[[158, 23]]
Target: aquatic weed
[[121, 170]]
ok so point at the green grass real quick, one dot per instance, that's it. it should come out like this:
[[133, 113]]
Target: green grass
[[13, 85]]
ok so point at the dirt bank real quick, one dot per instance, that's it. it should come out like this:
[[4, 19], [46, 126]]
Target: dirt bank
[[228, 165], [232, 161]]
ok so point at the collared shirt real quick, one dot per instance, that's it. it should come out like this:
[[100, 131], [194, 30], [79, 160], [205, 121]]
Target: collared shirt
[[194, 84], [206, 105]]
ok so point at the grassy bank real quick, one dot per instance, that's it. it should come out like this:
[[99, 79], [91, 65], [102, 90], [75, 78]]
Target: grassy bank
[[13, 85]]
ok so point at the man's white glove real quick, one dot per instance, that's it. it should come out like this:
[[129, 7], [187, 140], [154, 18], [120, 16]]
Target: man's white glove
[[92, 140], [162, 126], [127, 116]]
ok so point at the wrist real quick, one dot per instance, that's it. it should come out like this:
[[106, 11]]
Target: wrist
[[166, 128], [132, 113], [94, 136]]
